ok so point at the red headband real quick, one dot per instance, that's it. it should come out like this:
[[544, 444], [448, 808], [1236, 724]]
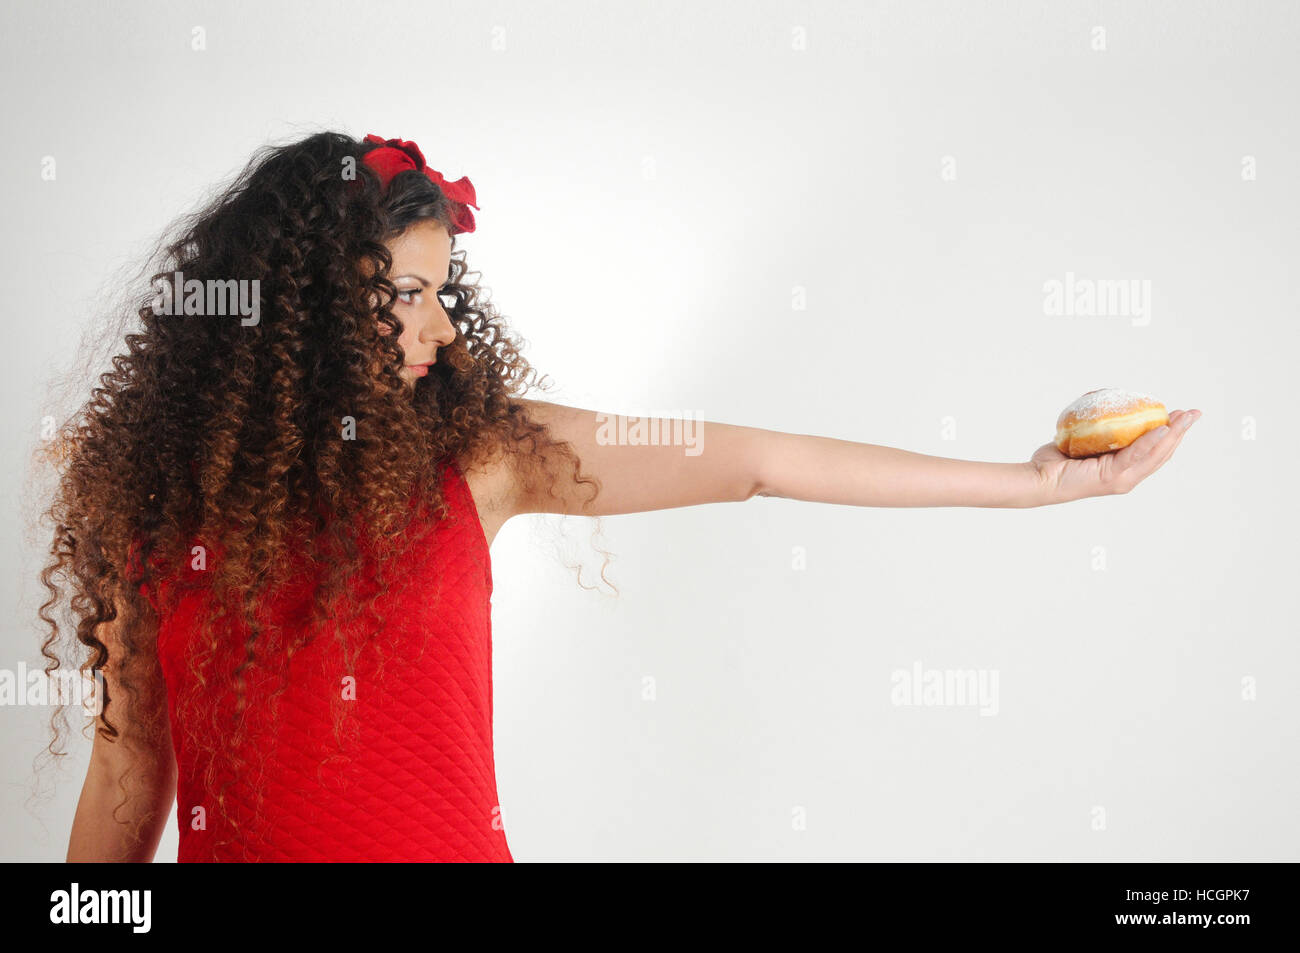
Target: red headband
[[398, 155]]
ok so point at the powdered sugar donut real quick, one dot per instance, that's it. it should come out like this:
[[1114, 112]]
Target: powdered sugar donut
[[1105, 420]]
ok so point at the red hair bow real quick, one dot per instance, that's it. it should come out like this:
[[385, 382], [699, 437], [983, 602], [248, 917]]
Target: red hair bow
[[399, 155]]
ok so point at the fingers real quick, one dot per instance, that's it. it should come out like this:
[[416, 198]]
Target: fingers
[[1179, 428], [1149, 452], [1165, 446], [1145, 447]]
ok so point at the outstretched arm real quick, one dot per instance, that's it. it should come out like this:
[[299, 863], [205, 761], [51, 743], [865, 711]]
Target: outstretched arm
[[727, 463]]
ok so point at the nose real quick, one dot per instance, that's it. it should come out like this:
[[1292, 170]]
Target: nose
[[436, 327]]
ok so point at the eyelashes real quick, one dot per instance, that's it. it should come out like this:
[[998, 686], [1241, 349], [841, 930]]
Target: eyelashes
[[404, 294]]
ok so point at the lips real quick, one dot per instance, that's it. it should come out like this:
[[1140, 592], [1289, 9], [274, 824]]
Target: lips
[[420, 370]]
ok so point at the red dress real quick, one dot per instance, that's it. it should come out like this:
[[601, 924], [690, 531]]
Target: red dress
[[418, 780]]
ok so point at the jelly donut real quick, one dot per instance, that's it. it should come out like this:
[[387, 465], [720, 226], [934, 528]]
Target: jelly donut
[[1105, 420]]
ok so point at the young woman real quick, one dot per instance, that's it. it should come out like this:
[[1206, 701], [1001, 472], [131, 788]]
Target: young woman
[[274, 515]]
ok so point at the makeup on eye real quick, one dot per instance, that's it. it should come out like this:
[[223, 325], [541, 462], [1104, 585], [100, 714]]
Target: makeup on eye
[[423, 286]]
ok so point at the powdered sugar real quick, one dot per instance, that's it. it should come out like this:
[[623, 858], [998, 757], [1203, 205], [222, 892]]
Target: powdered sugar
[[1103, 402]]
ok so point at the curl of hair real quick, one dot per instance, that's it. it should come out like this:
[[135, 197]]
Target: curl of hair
[[210, 429]]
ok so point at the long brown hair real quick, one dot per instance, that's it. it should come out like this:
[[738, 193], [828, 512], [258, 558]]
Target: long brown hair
[[216, 429]]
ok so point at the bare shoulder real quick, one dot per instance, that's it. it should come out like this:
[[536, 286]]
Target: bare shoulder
[[504, 479], [565, 462]]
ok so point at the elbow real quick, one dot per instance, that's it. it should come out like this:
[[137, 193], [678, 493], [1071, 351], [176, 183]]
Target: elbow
[[748, 470], [756, 481], [753, 485]]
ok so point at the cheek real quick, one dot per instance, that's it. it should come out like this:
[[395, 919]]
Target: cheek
[[407, 337], [402, 313]]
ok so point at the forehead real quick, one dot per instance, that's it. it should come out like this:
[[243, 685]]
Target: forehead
[[424, 243]]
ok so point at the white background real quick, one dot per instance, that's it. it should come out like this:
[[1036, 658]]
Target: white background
[[657, 181]]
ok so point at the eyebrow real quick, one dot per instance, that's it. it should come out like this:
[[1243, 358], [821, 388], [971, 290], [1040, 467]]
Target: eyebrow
[[421, 279]]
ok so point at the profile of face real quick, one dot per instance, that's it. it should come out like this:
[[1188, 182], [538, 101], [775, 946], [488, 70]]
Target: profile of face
[[421, 267]]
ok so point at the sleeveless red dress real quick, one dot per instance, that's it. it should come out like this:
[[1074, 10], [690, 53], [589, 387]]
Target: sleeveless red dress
[[417, 781]]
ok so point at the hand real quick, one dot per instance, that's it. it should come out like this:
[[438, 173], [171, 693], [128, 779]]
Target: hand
[[1063, 479]]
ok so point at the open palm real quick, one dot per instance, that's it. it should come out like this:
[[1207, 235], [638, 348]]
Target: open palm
[[1117, 472]]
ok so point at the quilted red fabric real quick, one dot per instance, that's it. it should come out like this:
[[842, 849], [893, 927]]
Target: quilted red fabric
[[417, 781]]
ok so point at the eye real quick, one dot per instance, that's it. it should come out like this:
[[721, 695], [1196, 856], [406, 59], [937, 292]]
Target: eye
[[404, 294]]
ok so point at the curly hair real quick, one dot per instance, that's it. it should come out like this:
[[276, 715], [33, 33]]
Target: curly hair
[[214, 431]]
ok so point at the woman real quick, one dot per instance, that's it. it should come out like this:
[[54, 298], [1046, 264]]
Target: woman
[[274, 515]]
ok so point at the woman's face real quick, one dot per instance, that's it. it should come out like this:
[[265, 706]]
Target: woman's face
[[421, 267]]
